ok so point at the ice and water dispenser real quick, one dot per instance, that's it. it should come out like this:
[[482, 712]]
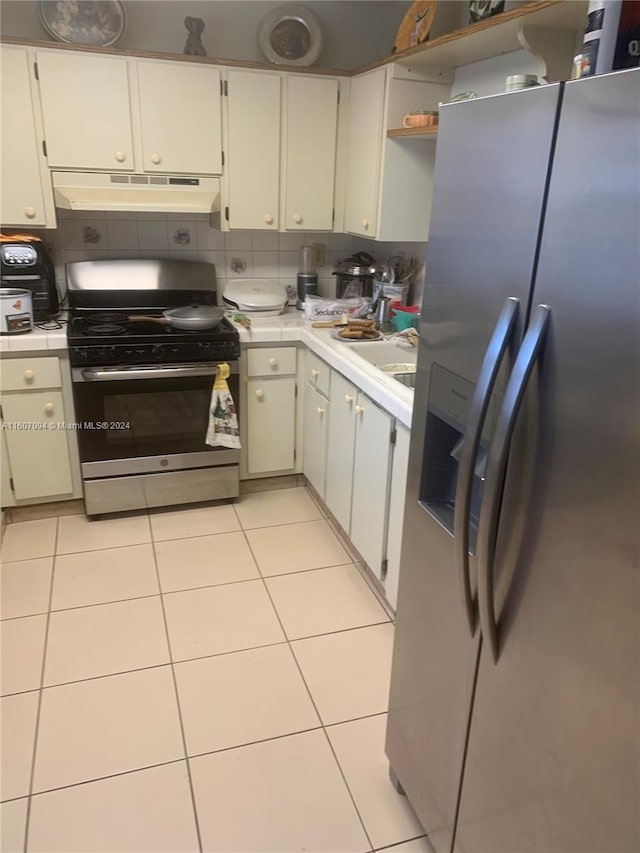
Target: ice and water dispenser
[[447, 411]]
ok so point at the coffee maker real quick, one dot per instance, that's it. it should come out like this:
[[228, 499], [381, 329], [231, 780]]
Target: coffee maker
[[307, 276], [25, 263]]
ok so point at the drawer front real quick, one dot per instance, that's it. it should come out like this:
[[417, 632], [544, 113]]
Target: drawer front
[[21, 374], [274, 361], [317, 373]]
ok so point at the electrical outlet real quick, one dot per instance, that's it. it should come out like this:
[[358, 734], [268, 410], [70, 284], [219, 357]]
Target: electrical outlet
[[319, 254]]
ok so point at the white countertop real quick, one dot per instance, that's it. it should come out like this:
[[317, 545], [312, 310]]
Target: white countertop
[[36, 339], [382, 388], [289, 327]]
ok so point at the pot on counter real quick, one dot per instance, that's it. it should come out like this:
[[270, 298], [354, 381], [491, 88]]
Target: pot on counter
[[16, 311], [354, 276]]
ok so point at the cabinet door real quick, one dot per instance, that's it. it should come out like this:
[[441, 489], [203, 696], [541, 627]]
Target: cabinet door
[[371, 474], [7, 498], [340, 443], [254, 149], [180, 133], [271, 422], [365, 150], [310, 153], [22, 199], [316, 418], [85, 107], [396, 513], [40, 464]]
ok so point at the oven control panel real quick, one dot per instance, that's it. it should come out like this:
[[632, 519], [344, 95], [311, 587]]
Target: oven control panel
[[166, 353]]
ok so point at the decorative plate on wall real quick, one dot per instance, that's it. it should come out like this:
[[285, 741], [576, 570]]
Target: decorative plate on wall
[[415, 25], [290, 35], [94, 22]]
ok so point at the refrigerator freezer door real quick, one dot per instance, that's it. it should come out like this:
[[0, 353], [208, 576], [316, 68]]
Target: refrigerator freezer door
[[553, 760], [491, 169]]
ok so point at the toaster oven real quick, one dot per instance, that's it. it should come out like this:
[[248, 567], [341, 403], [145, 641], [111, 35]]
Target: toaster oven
[[26, 264]]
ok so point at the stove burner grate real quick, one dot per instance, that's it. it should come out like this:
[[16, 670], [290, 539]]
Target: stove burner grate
[[106, 329], [106, 318]]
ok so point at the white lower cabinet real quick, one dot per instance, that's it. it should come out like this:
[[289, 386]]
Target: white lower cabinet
[[270, 407], [371, 480], [316, 422], [39, 456], [341, 443], [271, 422], [358, 469], [396, 513]]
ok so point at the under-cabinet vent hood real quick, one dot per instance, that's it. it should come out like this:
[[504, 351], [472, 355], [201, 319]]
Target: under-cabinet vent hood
[[150, 193]]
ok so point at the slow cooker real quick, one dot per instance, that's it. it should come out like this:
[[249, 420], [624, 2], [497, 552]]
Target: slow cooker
[[16, 311]]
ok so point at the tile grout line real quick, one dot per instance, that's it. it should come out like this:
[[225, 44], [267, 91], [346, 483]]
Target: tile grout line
[[40, 692], [195, 755], [311, 699], [175, 688], [200, 657]]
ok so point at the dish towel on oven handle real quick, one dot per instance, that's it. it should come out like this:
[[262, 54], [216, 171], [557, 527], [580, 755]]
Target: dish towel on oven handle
[[223, 419]]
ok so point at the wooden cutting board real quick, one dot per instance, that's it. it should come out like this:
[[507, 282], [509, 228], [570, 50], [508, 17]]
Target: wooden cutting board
[[415, 25]]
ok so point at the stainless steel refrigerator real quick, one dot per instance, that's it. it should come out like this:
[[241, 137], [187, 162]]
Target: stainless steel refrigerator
[[514, 717]]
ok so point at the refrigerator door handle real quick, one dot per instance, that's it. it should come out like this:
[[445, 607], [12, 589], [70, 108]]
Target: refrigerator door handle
[[496, 468], [501, 340]]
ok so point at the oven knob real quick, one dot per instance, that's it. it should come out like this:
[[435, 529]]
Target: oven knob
[[157, 351], [164, 462]]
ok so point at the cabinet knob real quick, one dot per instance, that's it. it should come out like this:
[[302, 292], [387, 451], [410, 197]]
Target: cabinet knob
[[121, 156], [273, 362], [359, 410], [297, 218], [365, 224], [48, 407], [156, 158], [268, 218], [348, 399], [28, 375], [259, 393], [320, 411], [30, 212], [315, 373]]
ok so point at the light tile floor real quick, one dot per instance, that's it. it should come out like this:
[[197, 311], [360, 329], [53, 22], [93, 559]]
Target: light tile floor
[[205, 679]]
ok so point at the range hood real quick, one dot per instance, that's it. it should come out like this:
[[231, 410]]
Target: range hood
[[136, 193]]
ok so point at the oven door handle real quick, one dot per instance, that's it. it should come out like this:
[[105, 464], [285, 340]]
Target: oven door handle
[[111, 374]]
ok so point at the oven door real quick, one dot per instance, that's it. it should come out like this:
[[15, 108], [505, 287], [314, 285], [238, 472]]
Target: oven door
[[147, 419]]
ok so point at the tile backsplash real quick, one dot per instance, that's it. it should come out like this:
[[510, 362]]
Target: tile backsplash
[[239, 254]]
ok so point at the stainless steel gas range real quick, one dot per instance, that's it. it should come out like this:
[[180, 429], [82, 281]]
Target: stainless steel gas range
[[142, 390]]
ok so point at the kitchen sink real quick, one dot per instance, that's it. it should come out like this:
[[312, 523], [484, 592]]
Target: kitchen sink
[[398, 359]]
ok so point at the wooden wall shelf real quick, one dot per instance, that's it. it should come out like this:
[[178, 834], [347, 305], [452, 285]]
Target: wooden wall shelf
[[419, 132], [491, 37]]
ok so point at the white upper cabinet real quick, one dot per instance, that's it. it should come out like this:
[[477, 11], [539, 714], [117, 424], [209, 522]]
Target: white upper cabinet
[[389, 181], [364, 152], [26, 199], [309, 137], [86, 112], [180, 117], [253, 172]]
